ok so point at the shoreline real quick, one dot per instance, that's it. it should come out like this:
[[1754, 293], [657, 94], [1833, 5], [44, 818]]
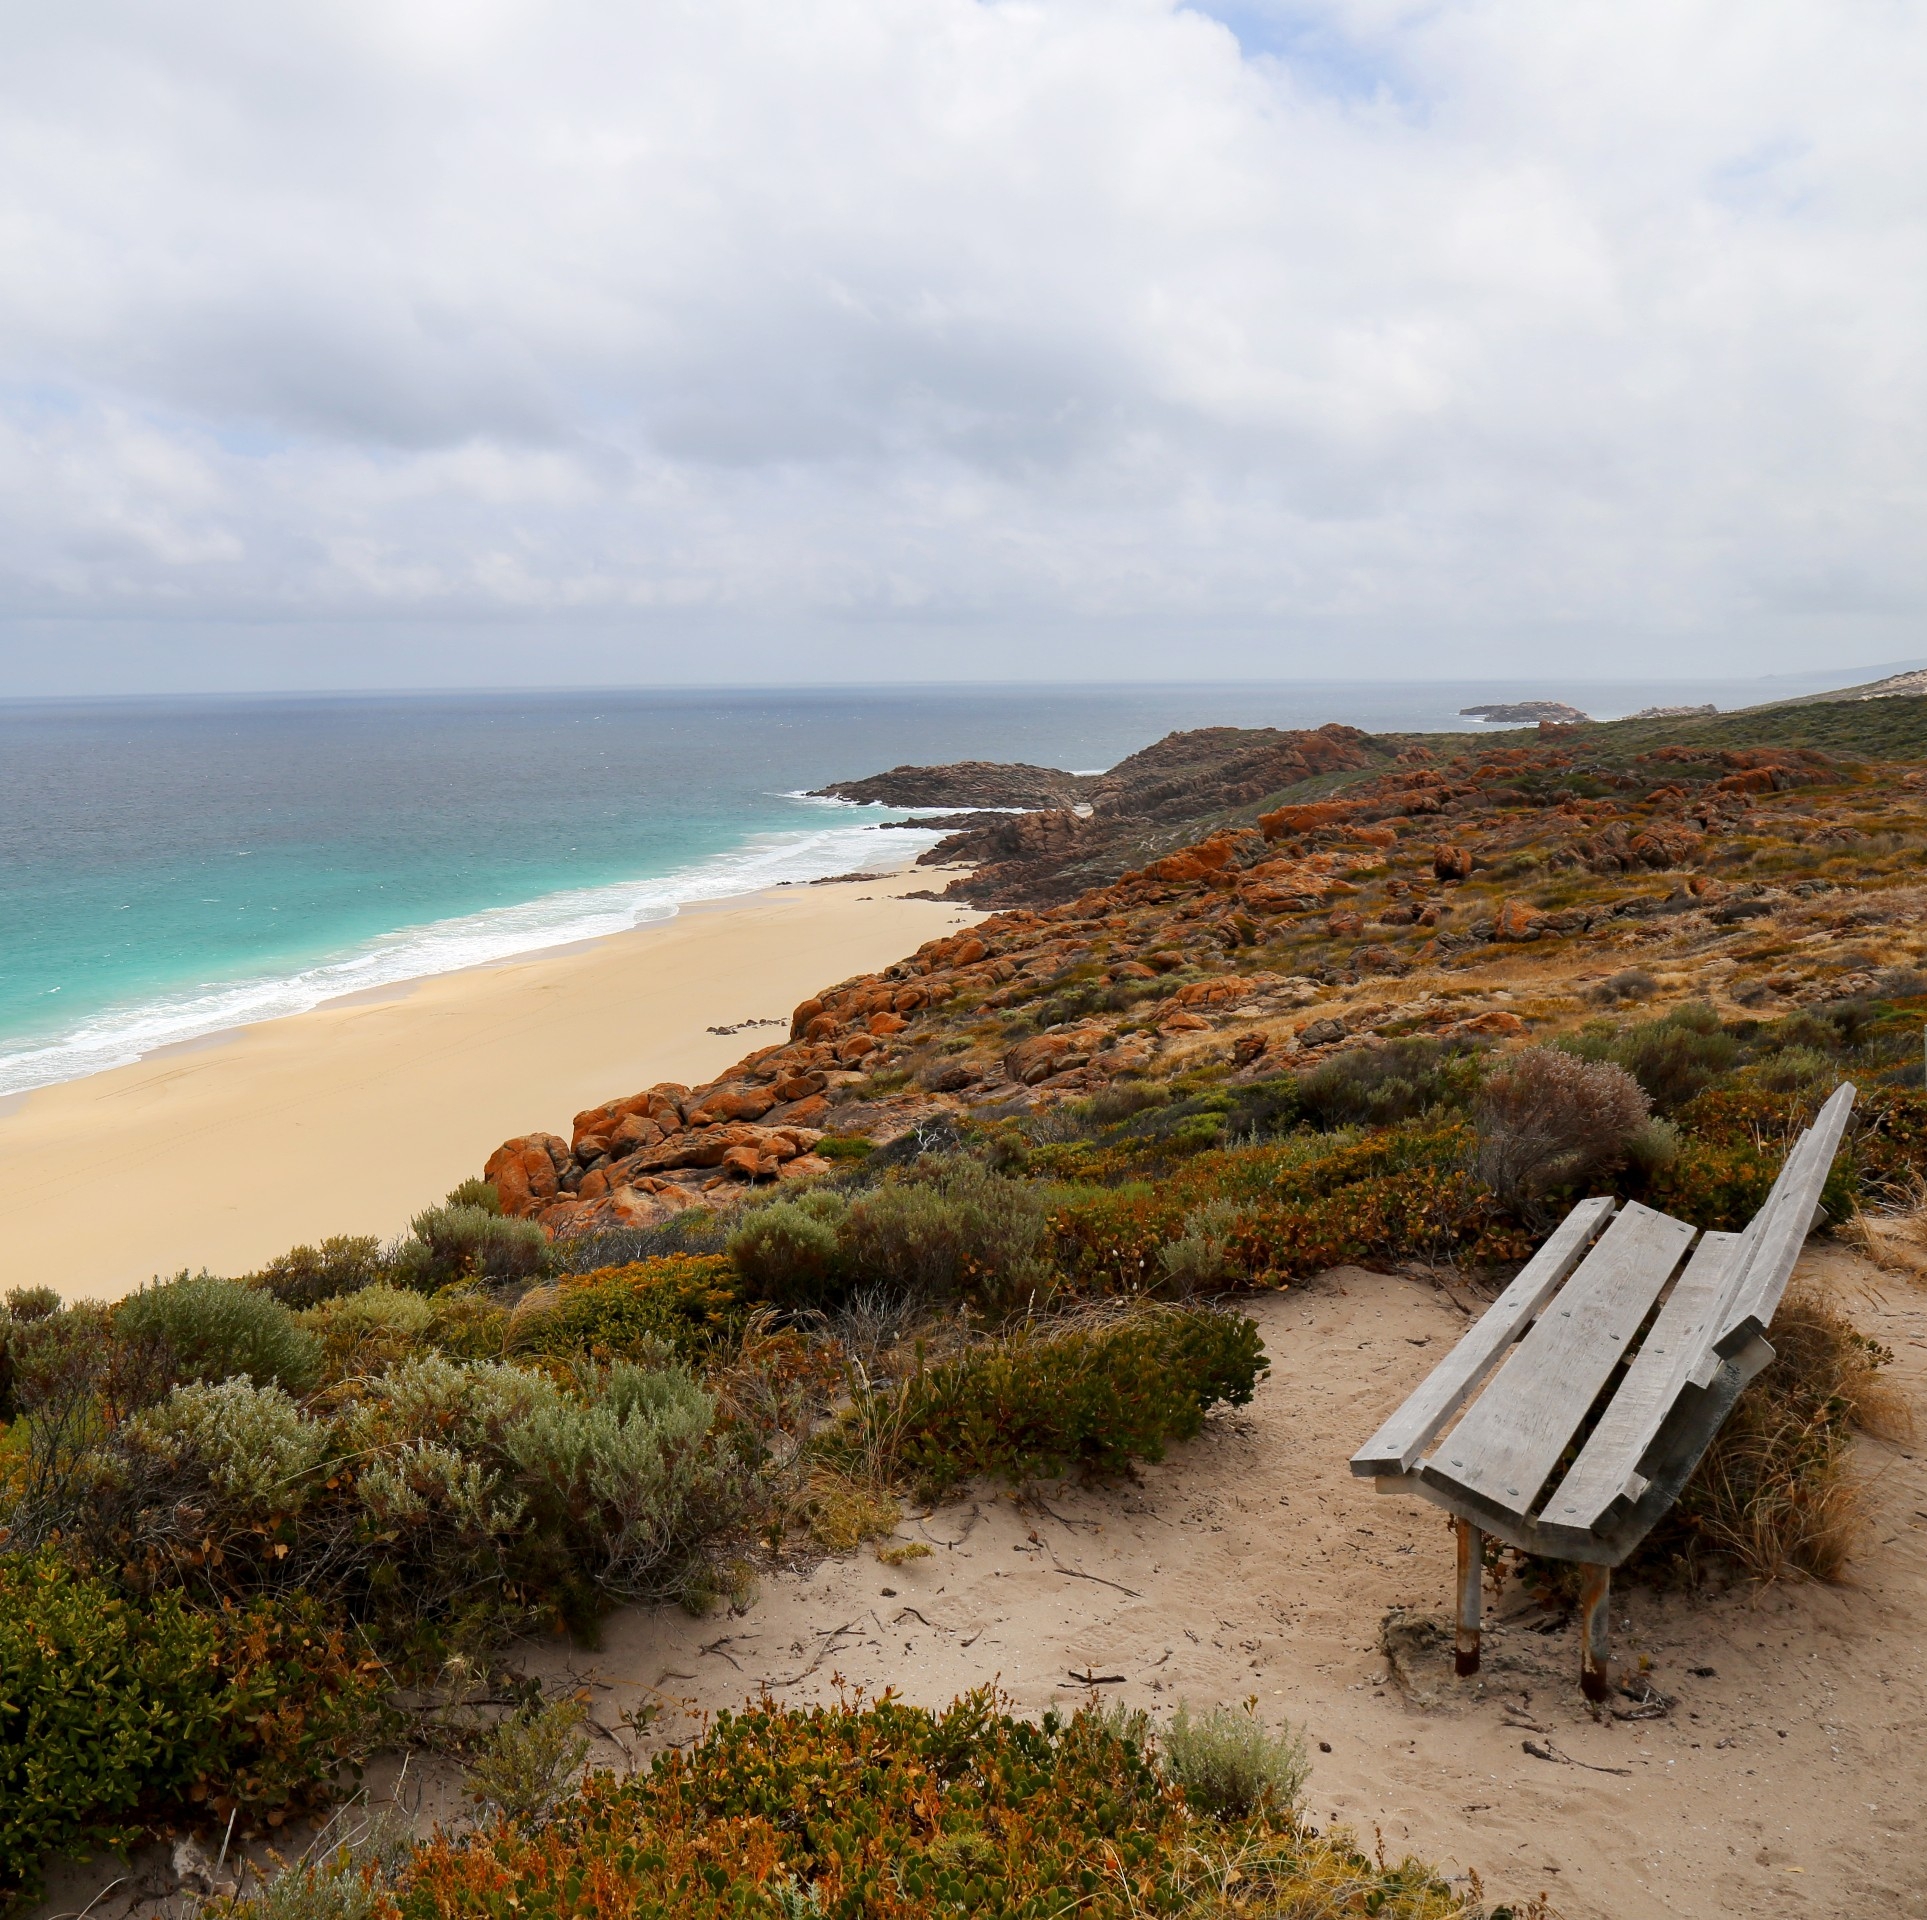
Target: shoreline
[[227, 1149]]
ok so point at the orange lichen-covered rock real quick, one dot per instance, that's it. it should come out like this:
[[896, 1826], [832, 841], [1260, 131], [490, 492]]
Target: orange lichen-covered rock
[[885, 1024], [1344, 924], [1183, 1020], [635, 1130], [1219, 991], [1664, 846], [526, 1172], [732, 1101], [1308, 818], [1516, 920], [1496, 1024], [798, 1086], [1452, 863], [1037, 1058]]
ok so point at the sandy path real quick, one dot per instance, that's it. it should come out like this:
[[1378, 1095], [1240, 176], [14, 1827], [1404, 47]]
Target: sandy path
[[353, 1117], [1790, 1780]]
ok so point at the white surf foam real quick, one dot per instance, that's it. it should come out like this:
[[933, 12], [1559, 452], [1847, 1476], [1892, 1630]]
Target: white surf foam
[[118, 1036]]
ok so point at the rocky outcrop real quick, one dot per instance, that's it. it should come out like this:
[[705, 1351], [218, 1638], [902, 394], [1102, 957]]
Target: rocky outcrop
[[963, 783], [1185, 781]]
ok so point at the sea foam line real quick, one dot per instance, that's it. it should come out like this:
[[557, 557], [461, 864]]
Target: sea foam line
[[119, 1036]]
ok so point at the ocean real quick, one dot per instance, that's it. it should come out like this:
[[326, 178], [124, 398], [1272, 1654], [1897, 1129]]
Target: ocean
[[171, 868]]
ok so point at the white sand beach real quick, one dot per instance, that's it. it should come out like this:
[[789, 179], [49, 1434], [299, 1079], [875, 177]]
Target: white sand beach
[[352, 1117]]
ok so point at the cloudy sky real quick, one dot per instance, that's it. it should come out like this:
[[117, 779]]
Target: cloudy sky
[[416, 342]]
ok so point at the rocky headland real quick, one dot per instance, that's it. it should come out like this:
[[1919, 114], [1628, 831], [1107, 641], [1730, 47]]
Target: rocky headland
[[1252, 901]]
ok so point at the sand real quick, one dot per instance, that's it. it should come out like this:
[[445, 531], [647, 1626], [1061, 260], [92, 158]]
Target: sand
[[353, 1117], [1787, 1776]]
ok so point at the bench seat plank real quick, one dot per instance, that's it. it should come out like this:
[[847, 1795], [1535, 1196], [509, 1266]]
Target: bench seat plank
[[1607, 1470], [1502, 1452], [1399, 1442]]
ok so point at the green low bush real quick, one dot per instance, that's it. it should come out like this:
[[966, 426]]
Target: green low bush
[[306, 1276], [116, 1717], [1229, 1763], [466, 1242], [1040, 1404], [790, 1253], [689, 1305], [214, 1329]]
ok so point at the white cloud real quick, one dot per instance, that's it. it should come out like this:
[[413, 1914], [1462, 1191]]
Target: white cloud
[[1380, 335]]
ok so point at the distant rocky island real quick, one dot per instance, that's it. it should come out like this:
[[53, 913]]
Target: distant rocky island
[[1519, 713]]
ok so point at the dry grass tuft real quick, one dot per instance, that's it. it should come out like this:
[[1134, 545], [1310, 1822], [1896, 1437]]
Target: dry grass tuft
[[842, 1511], [1894, 1237], [1777, 1492]]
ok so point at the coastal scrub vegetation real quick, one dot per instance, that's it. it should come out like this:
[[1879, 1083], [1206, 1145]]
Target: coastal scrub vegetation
[[886, 1810]]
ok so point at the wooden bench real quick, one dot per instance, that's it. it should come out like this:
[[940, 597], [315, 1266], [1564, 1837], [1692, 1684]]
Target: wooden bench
[[1567, 1335]]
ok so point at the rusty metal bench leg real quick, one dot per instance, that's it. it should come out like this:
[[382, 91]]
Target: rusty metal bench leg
[[1595, 1600], [1465, 1657]]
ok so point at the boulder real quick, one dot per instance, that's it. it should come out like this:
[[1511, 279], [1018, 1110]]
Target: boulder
[[1182, 1020], [526, 1172], [1044, 1054], [732, 1101], [1220, 991], [1516, 920], [1344, 925], [806, 1166], [1452, 863]]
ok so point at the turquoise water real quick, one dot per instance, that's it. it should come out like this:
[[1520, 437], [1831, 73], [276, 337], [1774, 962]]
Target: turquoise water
[[171, 868]]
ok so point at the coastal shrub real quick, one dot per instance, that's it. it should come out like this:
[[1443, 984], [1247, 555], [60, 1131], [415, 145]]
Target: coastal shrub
[[305, 1276], [31, 1303], [950, 1226], [453, 1243], [1231, 1764], [1677, 1056], [216, 1328], [435, 1501], [1547, 1119], [372, 1328], [1302, 1205], [528, 1761], [117, 1717], [790, 1252], [1378, 1086], [1038, 1404], [475, 1193], [688, 1305], [1633, 983], [890, 1811], [1200, 1258]]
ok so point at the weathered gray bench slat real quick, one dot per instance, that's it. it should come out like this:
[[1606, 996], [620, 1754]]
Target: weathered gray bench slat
[[1607, 1470], [1780, 1229], [1406, 1435], [1504, 1450]]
